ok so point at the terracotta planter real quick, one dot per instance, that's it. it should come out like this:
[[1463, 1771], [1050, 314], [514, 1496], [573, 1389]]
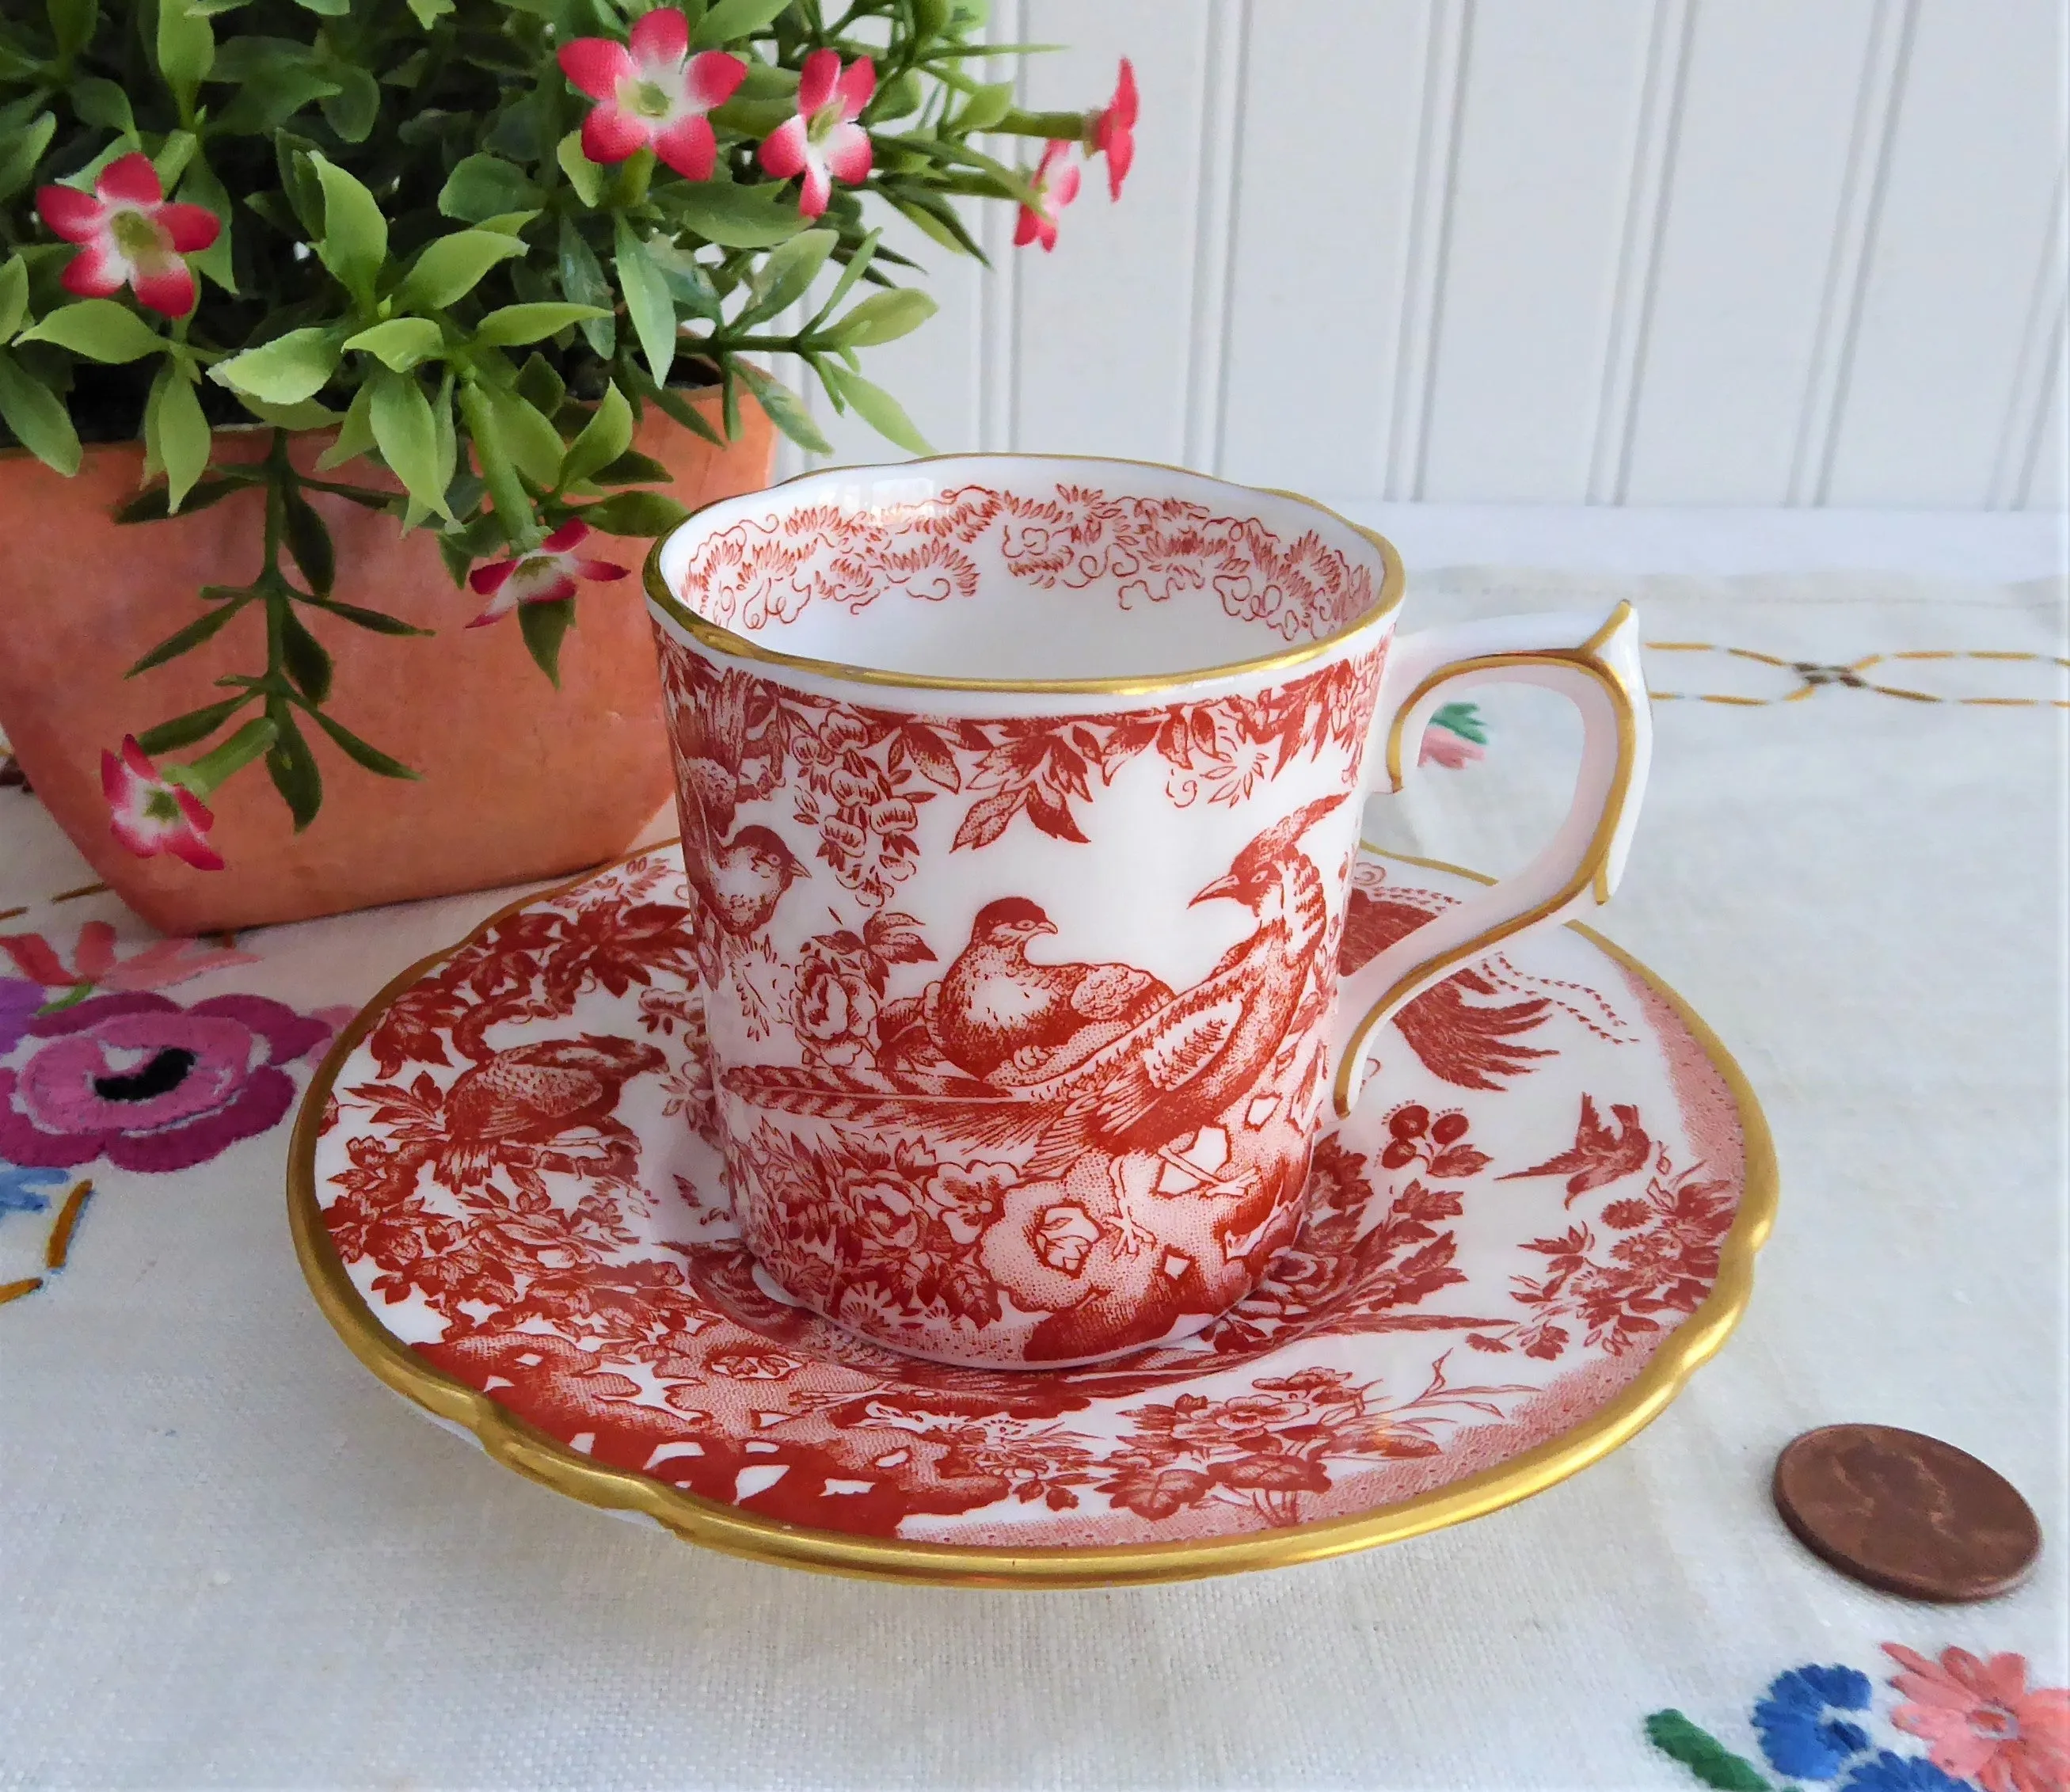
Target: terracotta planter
[[519, 781]]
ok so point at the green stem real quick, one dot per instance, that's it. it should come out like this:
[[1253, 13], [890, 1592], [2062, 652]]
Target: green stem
[[208, 772], [1069, 127]]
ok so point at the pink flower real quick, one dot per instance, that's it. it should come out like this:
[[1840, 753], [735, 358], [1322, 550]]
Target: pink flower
[[95, 966], [824, 143], [131, 236], [655, 93], [1114, 131], [1056, 184], [151, 815], [1980, 1721], [544, 576], [1441, 746]]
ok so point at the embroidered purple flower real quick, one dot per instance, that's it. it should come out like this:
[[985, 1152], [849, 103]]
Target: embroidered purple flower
[[138, 1079], [18, 1000], [1798, 1735], [1891, 1772]]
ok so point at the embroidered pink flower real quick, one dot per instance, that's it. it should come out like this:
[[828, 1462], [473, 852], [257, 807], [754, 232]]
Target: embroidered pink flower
[[823, 142], [1056, 184], [1114, 131], [130, 235], [1441, 746], [544, 576], [151, 815], [95, 966], [149, 1085], [1980, 1722], [655, 93]]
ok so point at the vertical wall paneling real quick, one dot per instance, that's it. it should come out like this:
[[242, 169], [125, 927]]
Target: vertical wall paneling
[[2027, 414], [1330, 104], [999, 338], [1448, 38], [2045, 483], [1547, 127], [1104, 337], [1653, 159], [1968, 196], [1750, 219], [1222, 136], [1877, 96]]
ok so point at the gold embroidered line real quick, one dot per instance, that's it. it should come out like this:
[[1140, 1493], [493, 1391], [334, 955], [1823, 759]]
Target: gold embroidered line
[[60, 1247], [8, 914], [84, 890], [13, 1290]]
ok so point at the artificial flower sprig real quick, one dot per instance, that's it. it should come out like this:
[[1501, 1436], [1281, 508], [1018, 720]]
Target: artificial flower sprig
[[476, 239]]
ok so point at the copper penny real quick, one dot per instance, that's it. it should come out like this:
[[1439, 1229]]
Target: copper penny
[[1906, 1514]]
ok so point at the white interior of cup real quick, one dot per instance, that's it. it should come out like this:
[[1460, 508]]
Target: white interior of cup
[[1022, 567]]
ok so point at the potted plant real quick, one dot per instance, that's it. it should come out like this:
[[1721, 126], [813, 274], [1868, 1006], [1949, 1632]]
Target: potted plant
[[314, 311]]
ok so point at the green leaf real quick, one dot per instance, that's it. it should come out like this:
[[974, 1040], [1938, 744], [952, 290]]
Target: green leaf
[[527, 323], [510, 224], [202, 188], [404, 432], [184, 730], [674, 405], [785, 274], [607, 436], [731, 20], [306, 415], [540, 387], [738, 217], [428, 13], [401, 342], [985, 107], [531, 441], [784, 410], [13, 295], [185, 49], [352, 110], [185, 640], [100, 329], [355, 435], [583, 175], [181, 437], [542, 626], [858, 264], [582, 279], [285, 371], [377, 622], [304, 656], [266, 104], [450, 267], [330, 9], [633, 468], [355, 235], [152, 506], [647, 513], [687, 278], [37, 417], [293, 766], [73, 22], [309, 540], [173, 155], [482, 187], [358, 751], [938, 219], [1703, 1754], [875, 406], [885, 318], [513, 518], [99, 101], [19, 159], [646, 302]]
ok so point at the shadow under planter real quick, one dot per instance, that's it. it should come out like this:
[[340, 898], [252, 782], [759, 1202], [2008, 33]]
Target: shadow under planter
[[519, 781]]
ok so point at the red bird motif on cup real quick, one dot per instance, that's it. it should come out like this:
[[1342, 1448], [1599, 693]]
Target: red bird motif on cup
[[1185, 1062], [1599, 1156], [997, 1014]]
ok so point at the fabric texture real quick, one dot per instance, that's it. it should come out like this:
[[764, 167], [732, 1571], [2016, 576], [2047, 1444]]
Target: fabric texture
[[229, 1557]]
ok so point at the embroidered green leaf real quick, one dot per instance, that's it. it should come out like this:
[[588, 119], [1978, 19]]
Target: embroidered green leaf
[[1464, 720], [1703, 1754]]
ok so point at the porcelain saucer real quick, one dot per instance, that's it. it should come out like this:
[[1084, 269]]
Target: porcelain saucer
[[1541, 1219]]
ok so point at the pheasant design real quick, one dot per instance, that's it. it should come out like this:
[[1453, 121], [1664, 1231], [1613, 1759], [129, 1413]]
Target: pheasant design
[[1599, 1155], [534, 1094]]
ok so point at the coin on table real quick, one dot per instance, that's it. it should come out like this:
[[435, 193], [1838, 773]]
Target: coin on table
[[1906, 1514]]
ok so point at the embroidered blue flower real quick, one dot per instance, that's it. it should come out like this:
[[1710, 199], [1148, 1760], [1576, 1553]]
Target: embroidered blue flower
[[1798, 1735], [1888, 1772], [18, 1187]]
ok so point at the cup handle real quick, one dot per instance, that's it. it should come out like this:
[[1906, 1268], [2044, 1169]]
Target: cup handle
[[1594, 662]]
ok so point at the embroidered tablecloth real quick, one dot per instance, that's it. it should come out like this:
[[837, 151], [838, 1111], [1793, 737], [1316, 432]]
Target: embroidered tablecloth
[[228, 1556]]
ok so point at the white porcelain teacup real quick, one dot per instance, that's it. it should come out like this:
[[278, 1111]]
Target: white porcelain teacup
[[1020, 797]]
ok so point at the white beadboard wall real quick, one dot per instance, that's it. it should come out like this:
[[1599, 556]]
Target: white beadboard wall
[[1649, 251]]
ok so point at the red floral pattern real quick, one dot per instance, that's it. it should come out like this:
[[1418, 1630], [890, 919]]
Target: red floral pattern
[[764, 571], [512, 1198]]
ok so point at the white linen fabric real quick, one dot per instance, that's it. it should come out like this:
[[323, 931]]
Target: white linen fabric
[[229, 1557]]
